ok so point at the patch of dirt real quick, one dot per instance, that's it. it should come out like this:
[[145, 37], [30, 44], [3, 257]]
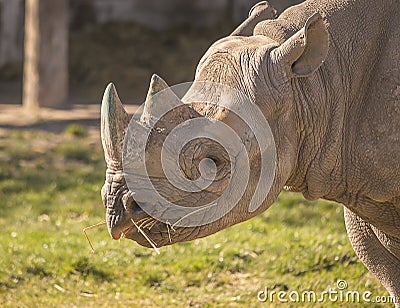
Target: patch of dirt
[[14, 117]]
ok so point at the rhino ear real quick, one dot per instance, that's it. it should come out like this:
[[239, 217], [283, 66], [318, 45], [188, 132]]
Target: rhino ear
[[259, 12], [114, 122], [304, 52]]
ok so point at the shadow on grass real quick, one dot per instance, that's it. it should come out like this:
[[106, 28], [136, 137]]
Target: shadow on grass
[[84, 268]]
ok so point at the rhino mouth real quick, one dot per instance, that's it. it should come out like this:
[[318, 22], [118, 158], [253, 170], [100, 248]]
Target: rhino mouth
[[131, 222], [119, 221], [157, 233], [125, 218], [121, 218]]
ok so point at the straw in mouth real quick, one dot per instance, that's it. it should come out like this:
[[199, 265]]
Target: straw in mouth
[[147, 238], [151, 242]]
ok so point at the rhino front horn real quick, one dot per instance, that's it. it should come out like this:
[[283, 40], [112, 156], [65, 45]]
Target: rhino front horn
[[114, 122]]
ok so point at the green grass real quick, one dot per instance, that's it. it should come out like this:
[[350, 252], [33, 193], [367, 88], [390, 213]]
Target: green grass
[[49, 191], [76, 130]]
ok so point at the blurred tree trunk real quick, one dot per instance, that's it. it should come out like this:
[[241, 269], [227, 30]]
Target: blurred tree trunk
[[46, 54]]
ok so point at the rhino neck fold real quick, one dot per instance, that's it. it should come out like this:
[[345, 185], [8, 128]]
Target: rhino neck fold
[[319, 114]]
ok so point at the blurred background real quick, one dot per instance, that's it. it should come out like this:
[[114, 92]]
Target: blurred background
[[94, 41], [56, 58], [61, 54]]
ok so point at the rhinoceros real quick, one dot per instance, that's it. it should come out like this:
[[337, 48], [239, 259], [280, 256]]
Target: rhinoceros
[[326, 76]]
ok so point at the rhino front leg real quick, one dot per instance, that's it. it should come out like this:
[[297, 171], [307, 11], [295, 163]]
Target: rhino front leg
[[379, 252]]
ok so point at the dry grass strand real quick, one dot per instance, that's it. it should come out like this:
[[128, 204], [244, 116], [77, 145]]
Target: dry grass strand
[[90, 228], [151, 242]]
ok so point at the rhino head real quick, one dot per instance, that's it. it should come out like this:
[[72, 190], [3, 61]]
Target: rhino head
[[251, 61]]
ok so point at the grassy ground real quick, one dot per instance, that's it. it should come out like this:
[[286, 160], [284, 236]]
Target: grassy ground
[[49, 191]]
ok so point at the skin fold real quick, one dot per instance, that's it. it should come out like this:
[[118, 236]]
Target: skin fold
[[325, 75]]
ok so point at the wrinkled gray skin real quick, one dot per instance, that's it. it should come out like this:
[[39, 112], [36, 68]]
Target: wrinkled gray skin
[[329, 86]]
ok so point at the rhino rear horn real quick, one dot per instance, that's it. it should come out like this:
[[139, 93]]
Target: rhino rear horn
[[157, 105], [259, 12], [157, 84], [114, 122]]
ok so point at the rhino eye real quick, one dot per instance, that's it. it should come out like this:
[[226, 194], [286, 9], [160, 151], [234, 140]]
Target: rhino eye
[[222, 166], [216, 160]]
